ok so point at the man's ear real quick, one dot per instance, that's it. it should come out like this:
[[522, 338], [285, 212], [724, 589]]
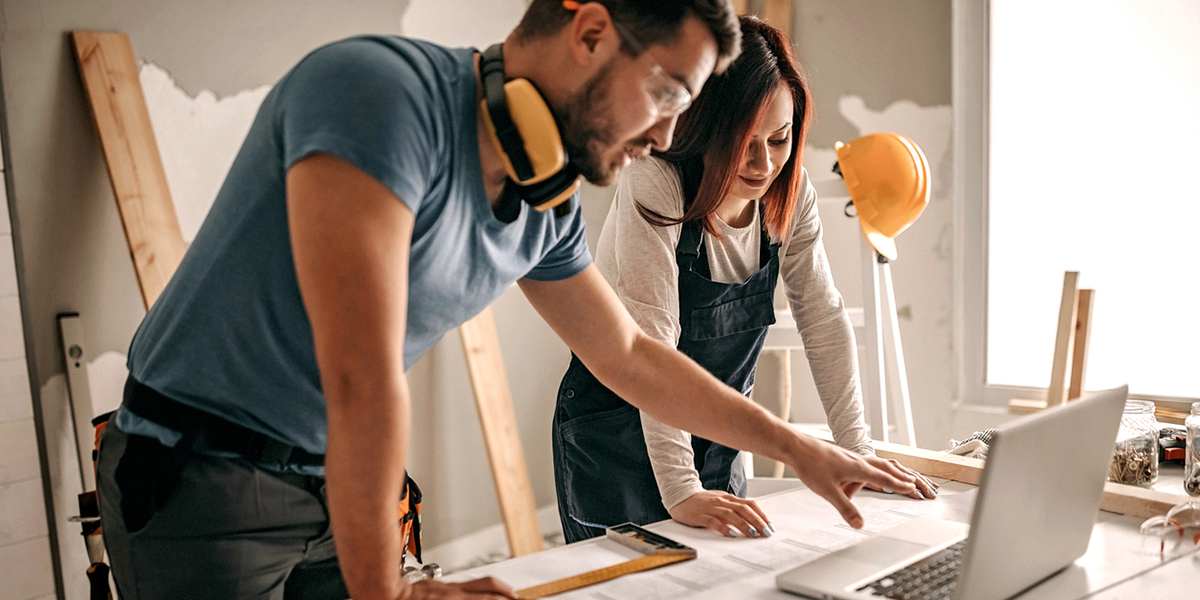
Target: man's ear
[[592, 34]]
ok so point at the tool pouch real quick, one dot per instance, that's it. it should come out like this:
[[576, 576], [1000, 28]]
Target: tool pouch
[[410, 520], [88, 506], [409, 509]]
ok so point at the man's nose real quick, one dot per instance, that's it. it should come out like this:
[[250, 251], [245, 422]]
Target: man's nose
[[662, 132]]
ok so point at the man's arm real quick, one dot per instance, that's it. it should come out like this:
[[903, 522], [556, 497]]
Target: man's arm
[[350, 241], [663, 382]]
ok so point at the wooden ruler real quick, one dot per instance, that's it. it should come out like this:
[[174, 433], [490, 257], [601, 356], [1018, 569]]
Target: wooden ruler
[[582, 580]]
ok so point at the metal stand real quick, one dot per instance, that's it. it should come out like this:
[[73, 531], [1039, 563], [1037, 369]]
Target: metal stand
[[883, 373]]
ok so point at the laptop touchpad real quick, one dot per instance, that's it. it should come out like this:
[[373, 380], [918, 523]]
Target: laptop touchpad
[[882, 551]]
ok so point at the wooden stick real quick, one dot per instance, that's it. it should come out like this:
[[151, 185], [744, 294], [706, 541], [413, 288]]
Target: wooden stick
[[110, 78], [1083, 331], [1019, 406], [481, 348], [785, 397], [1063, 341]]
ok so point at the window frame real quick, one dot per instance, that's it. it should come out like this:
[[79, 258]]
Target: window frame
[[971, 75]]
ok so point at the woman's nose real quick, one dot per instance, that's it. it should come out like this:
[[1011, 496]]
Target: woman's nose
[[758, 160]]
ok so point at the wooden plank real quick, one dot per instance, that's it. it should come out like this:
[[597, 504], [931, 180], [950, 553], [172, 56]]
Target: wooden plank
[[779, 14], [1164, 414], [1138, 502], [932, 462], [493, 400], [1023, 407], [1083, 331], [1118, 498], [110, 78], [1063, 339]]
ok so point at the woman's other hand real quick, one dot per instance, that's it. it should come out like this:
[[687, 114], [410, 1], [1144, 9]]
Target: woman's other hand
[[723, 513]]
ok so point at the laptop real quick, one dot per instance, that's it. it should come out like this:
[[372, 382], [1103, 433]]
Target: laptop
[[1033, 515]]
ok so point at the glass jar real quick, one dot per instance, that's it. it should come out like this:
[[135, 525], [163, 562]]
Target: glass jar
[[1135, 457], [1191, 463]]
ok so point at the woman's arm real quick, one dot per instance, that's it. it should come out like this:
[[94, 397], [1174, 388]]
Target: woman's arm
[[828, 335], [821, 318]]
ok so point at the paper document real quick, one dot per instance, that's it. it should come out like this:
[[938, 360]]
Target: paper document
[[806, 527]]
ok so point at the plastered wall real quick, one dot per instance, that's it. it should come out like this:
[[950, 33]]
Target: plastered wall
[[884, 65]]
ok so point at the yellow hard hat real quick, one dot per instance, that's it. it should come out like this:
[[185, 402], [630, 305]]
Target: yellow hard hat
[[888, 179]]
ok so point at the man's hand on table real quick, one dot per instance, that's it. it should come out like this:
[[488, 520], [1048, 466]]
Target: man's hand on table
[[836, 474], [926, 488]]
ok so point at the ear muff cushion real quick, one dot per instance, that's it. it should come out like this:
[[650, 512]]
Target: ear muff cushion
[[553, 191], [535, 122]]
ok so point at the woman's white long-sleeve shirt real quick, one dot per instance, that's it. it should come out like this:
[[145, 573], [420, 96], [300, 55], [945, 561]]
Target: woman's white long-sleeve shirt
[[638, 260]]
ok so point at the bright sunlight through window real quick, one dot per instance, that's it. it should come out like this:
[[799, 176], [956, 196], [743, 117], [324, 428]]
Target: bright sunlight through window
[[1095, 167]]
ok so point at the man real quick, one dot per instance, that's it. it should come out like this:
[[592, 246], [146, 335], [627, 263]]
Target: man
[[357, 225]]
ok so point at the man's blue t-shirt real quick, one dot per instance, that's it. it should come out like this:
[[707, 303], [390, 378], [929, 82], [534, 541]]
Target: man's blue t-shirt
[[230, 335]]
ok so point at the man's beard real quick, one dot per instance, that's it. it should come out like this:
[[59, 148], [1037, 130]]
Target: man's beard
[[587, 129]]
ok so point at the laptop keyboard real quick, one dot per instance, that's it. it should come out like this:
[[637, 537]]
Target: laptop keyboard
[[931, 578]]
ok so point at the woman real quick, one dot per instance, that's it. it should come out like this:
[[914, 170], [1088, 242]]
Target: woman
[[694, 244]]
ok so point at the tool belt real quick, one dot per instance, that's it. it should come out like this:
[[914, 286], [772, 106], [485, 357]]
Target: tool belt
[[204, 431], [207, 432]]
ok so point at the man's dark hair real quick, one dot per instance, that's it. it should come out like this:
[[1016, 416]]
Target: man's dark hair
[[650, 23]]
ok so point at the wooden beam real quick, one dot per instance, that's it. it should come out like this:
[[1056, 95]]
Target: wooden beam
[[1023, 407], [785, 396], [1118, 498], [1064, 339], [1137, 502], [110, 78], [493, 400], [932, 462], [1079, 353], [1164, 414]]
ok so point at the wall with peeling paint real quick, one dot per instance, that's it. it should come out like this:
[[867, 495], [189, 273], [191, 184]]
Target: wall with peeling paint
[[879, 65], [875, 65]]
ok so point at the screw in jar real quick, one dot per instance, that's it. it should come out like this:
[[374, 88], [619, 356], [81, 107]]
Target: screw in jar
[[1135, 457]]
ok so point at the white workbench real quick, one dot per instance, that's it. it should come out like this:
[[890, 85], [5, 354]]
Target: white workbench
[[1117, 563]]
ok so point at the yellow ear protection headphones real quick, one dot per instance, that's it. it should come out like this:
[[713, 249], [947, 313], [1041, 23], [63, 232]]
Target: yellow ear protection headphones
[[525, 136]]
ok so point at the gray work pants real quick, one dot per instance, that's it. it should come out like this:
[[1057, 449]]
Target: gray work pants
[[180, 525]]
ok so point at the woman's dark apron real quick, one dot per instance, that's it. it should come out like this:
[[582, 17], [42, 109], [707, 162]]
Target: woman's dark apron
[[602, 471]]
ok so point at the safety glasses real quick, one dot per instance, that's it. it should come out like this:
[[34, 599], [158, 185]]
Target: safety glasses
[[669, 96], [1177, 532]]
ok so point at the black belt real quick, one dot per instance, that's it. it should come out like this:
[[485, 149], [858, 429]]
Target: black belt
[[204, 431]]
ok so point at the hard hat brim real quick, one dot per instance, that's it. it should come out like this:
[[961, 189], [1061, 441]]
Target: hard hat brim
[[880, 242]]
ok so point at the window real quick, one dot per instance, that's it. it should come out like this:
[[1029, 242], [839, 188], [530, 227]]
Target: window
[[1086, 134]]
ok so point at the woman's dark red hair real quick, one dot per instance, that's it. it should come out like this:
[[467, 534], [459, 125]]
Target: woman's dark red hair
[[711, 138]]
